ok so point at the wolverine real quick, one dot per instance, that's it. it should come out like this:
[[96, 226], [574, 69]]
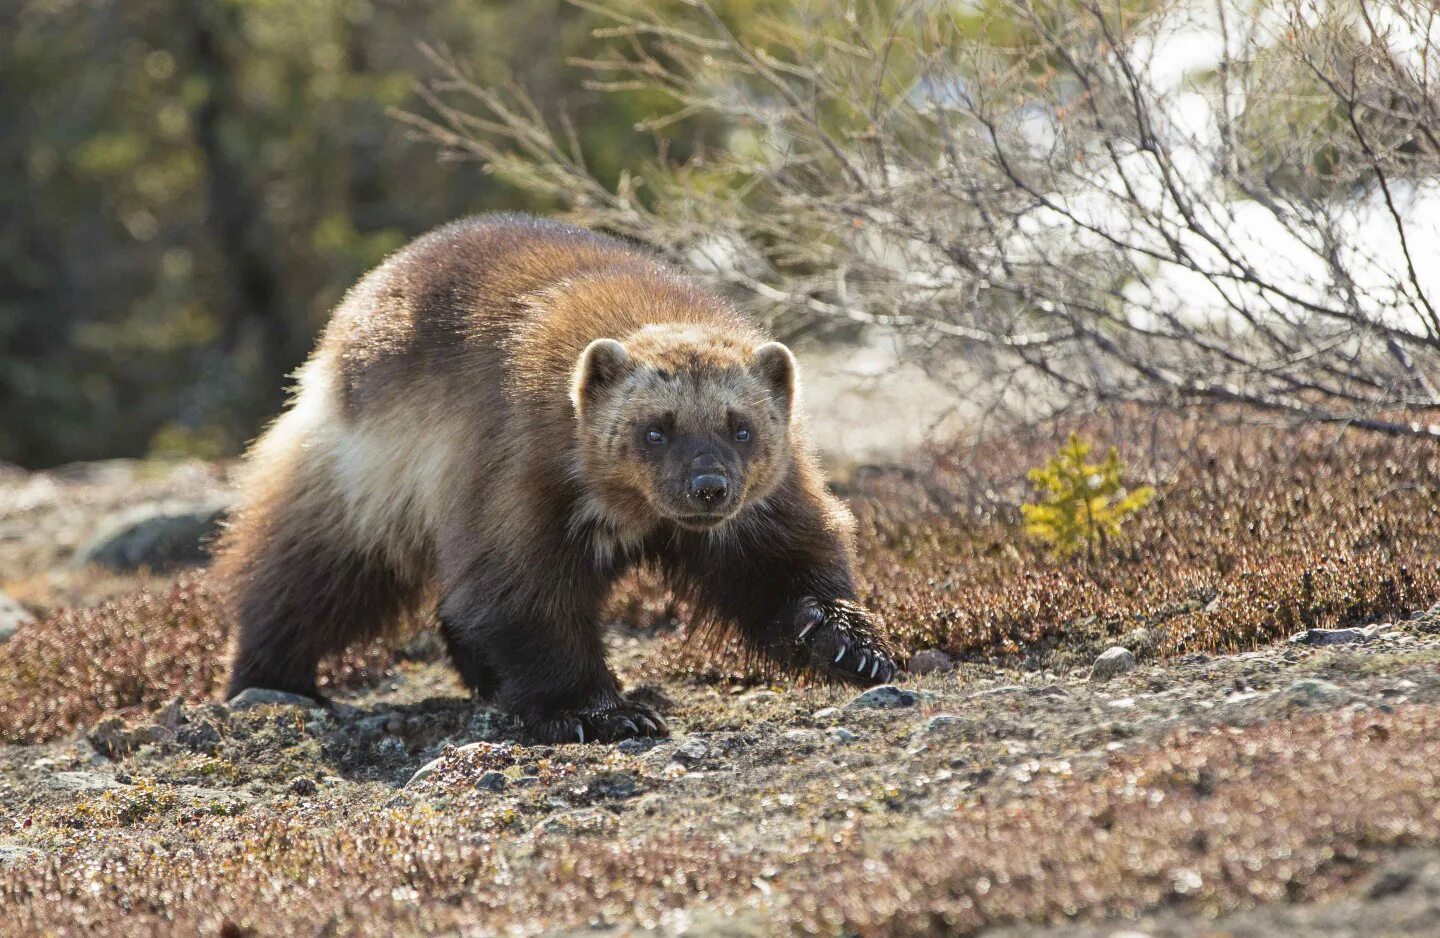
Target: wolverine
[[500, 420]]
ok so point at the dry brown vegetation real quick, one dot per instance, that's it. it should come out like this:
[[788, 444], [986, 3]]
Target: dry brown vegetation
[[1212, 819], [1256, 533], [128, 655]]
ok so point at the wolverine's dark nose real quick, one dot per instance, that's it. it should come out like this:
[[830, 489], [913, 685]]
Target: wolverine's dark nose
[[709, 487]]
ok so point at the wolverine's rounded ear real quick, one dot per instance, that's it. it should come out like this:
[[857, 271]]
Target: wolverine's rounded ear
[[603, 362], [776, 367]]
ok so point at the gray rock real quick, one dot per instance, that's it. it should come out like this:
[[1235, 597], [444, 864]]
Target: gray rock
[[83, 782], [887, 697], [303, 786], [755, 698], [492, 781], [825, 714], [691, 751], [801, 738], [425, 771], [1317, 692], [1001, 691], [580, 821], [636, 745], [941, 726], [263, 697], [1112, 661], [930, 661], [841, 735], [12, 616], [614, 785], [1320, 637], [158, 536], [10, 853]]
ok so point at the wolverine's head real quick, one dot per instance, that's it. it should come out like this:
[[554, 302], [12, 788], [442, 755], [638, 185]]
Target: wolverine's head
[[683, 422]]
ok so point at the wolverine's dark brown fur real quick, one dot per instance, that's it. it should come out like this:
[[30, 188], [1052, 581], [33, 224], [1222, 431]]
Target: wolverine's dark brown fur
[[503, 418]]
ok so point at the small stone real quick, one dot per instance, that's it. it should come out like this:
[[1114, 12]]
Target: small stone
[[930, 661], [12, 616], [425, 771], [169, 716], [887, 697], [1114, 660], [755, 698], [801, 737], [1314, 691], [1320, 637], [303, 786], [826, 714], [83, 782], [492, 781], [10, 853], [636, 745], [159, 536], [252, 697], [691, 751], [1138, 638], [111, 738], [841, 735], [1000, 691], [941, 726], [581, 821], [525, 781], [614, 785]]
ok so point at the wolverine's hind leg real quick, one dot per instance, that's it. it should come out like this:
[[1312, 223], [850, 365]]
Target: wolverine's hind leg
[[298, 592]]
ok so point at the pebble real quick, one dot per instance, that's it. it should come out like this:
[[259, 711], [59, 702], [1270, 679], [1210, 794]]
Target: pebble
[[826, 713], [755, 698], [841, 735], [580, 821], [998, 691], [636, 745], [263, 697], [801, 737], [492, 781], [12, 616], [1114, 660], [425, 771], [1335, 636], [614, 785], [9, 853], [691, 751], [1313, 690], [83, 781], [887, 697], [303, 786], [930, 661]]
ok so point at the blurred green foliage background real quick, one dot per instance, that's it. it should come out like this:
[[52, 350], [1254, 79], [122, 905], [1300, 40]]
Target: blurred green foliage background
[[188, 186]]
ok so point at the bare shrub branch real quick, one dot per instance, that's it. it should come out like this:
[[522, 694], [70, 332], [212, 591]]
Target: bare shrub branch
[[1087, 201]]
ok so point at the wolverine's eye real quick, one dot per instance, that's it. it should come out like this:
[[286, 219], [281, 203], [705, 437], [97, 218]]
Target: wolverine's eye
[[742, 435], [654, 436]]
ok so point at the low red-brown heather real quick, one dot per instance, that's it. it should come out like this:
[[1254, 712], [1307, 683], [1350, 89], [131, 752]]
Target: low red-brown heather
[[1212, 820], [137, 652], [1255, 533]]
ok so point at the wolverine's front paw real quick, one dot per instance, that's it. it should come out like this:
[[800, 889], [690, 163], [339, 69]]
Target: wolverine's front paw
[[839, 640], [601, 725]]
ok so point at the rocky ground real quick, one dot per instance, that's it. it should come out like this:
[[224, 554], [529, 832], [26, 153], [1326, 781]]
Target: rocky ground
[[1290, 790]]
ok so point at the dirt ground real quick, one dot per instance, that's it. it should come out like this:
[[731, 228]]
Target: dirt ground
[[1291, 790]]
